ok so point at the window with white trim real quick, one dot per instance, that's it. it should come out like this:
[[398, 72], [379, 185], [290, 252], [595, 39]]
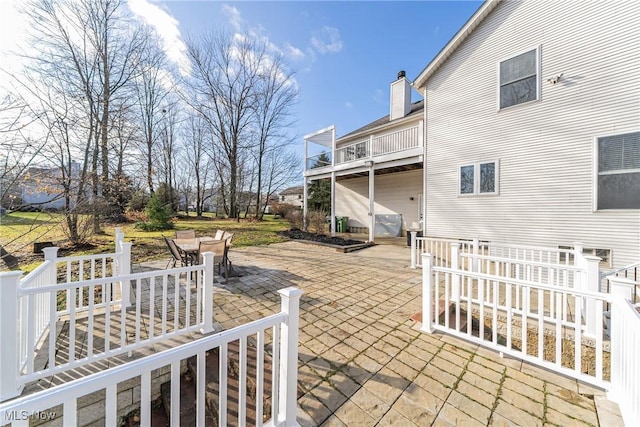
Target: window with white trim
[[618, 183], [478, 178], [519, 79]]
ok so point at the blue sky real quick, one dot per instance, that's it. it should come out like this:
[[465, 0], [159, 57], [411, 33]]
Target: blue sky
[[346, 53]]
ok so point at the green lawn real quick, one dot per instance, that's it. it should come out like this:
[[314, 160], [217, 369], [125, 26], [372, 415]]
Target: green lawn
[[19, 230]]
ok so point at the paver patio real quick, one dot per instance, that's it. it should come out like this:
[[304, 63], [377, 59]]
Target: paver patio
[[363, 362]]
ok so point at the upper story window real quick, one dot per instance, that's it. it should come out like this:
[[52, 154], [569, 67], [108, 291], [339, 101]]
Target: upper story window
[[519, 79], [618, 172], [479, 178]]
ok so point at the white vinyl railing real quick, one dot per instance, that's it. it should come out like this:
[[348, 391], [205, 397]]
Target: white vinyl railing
[[502, 313], [440, 249], [166, 303], [558, 327], [631, 272], [284, 347], [375, 145], [351, 152], [396, 141], [625, 345], [319, 160]]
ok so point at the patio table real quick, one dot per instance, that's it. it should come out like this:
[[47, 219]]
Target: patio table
[[191, 246]]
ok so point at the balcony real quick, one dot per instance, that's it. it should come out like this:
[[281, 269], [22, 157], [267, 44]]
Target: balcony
[[399, 146]]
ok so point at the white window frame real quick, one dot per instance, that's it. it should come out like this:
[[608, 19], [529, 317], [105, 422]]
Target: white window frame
[[596, 172], [476, 179], [538, 79]]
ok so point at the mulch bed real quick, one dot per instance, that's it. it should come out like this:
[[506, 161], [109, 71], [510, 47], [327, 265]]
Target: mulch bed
[[297, 234]]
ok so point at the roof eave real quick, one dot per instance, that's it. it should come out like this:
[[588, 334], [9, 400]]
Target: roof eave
[[456, 41]]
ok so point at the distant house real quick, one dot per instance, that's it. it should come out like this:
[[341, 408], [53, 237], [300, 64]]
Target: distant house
[[292, 195], [42, 187]]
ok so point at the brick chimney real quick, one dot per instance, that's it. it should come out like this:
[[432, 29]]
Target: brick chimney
[[400, 97]]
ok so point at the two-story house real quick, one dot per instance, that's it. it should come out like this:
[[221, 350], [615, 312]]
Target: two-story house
[[376, 170], [533, 128], [531, 135], [292, 196]]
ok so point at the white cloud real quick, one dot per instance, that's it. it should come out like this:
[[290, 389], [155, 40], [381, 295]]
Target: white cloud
[[233, 13], [327, 40], [348, 105], [167, 28], [293, 52]]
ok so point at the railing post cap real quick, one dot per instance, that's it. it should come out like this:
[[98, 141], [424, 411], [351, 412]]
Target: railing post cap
[[127, 243], [621, 280], [290, 292], [426, 255], [10, 274], [50, 249], [208, 255]]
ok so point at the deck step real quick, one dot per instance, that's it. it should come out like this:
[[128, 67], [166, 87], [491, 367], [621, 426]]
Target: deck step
[[188, 384]]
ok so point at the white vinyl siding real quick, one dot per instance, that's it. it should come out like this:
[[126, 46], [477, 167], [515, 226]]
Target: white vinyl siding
[[393, 194], [546, 148]]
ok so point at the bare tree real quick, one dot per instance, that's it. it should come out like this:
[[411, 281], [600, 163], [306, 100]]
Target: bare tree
[[151, 89], [277, 94], [225, 76], [88, 51], [18, 150], [198, 160]]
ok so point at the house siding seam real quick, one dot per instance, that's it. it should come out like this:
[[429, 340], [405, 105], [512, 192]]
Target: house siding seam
[[545, 147]]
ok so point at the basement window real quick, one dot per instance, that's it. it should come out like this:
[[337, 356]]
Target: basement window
[[603, 254]]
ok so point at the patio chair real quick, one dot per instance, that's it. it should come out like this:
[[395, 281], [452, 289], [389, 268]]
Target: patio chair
[[186, 234], [218, 248], [228, 237], [219, 234], [176, 253]]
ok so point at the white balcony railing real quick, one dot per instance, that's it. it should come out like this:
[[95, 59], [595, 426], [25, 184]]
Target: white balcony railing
[[397, 141], [319, 160], [351, 152], [376, 145]]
